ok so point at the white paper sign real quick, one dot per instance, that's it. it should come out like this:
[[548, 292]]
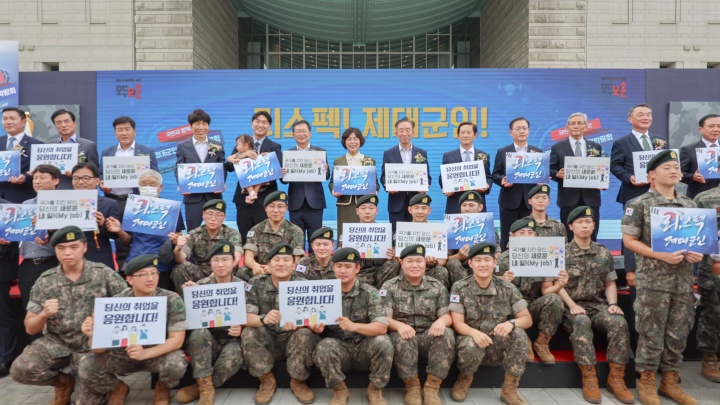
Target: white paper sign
[[640, 161], [537, 256], [304, 165], [305, 303], [431, 235], [215, 305], [587, 172], [371, 240], [125, 321], [463, 176], [64, 156], [123, 171], [59, 208], [402, 177]]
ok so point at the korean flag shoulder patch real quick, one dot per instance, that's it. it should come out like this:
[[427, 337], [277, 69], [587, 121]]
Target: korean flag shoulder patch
[[454, 298], [248, 286], [383, 293], [300, 268], [250, 234], [629, 211]]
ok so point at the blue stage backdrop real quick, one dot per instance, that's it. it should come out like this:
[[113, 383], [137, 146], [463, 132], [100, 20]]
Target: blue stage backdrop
[[372, 100]]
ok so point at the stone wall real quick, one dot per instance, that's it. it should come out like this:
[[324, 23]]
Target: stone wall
[[215, 35], [557, 34], [164, 34], [504, 34]]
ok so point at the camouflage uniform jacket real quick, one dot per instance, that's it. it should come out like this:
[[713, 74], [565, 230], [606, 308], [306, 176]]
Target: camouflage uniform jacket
[[485, 308], [308, 268], [199, 243], [261, 297], [708, 199], [530, 287], [76, 302], [588, 270], [222, 332], [261, 239], [175, 309], [418, 306], [362, 304], [652, 273], [550, 227]]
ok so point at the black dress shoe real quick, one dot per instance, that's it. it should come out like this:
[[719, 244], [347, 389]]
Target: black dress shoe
[[4, 370]]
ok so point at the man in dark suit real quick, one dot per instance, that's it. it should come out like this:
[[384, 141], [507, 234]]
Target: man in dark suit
[[576, 145], [467, 133], [64, 122], [306, 200], [17, 189], [199, 149], [513, 199], [709, 134], [9, 256], [251, 214], [406, 153]]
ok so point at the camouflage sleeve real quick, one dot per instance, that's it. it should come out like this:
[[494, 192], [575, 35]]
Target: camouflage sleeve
[[298, 242], [611, 275], [35, 304], [388, 301], [234, 238], [456, 300], [517, 301], [176, 314], [251, 300], [504, 262], [376, 312], [115, 283], [301, 268], [498, 249], [188, 248], [251, 243], [632, 221], [443, 301]]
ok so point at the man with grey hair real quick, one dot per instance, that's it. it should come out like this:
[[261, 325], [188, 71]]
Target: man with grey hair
[[576, 145]]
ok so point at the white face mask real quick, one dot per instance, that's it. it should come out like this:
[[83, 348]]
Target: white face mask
[[148, 191]]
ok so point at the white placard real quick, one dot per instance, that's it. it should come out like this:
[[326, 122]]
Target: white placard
[[537, 256], [463, 176], [125, 321], [59, 208], [123, 171], [215, 305], [431, 235], [304, 165], [371, 240], [305, 303], [402, 177], [64, 156], [587, 172], [640, 161]]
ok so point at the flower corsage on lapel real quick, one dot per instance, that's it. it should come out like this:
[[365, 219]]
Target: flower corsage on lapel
[[213, 149], [419, 158], [658, 143], [367, 161], [593, 152]]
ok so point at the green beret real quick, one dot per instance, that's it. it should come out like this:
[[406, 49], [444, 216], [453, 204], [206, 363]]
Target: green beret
[[67, 234], [420, 199], [368, 199], [484, 248], [322, 233], [660, 158], [280, 249], [346, 255], [140, 263], [527, 222], [413, 250], [539, 189], [472, 196], [222, 247], [275, 196], [582, 211], [217, 205]]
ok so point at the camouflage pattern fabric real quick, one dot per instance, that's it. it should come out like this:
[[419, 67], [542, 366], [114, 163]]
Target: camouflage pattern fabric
[[708, 328], [197, 249], [309, 268], [261, 239]]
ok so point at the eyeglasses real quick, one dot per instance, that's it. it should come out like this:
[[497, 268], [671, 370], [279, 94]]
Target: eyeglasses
[[213, 215], [84, 179], [147, 276]]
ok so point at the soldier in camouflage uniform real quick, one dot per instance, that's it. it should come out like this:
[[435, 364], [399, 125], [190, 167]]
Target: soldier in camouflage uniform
[[99, 370], [417, 308], [708, 327], [191, 251], [545, 307], [60, 300], [591, 300], [471, 202], [664, 303], [216, 353], [267, 338], [317, 265], [489, 316], [359, 340], [539, 200], [419, 208], [272, 231]]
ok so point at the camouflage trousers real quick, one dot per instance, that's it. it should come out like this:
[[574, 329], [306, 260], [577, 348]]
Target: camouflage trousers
[[41, 363], [708, 328], [440, 274], [376, 276], [663, 321], [187, 271], [547, 313], [243, 273], [509, 351], [100, 370], [437, 351], [333, 356], [219, 358], [580, 327], [262, 349], [456, 271]]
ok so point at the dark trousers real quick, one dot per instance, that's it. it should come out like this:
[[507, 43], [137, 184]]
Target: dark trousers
[[403, 215], [121, 249], [248, 215], [308, 219], [29, 273], [507, 217], [565, 213], [8, 326]]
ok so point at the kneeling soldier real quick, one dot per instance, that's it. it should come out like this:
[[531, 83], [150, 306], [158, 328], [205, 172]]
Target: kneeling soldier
[[420, 209]]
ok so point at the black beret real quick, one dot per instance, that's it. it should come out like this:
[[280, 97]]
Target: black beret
[[216, 204], [484, 248], [222, 247], [660, 158], [322, 233], [67, 234], [346, 255], [582, 211], [140, 263], [413, 250], [280, 249], [527, 222], [473, 196], [368, 198], [275, 196], [539, 189], [420, 199]]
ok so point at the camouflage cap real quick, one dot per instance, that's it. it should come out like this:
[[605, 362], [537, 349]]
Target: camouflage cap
[[413, 250], [322, 233], [275, 196], [222, 247], [484, 248], [280, 249], [660, 158], [139, 263], [582, 211], [539, 189], [420, 199], [368, 199], [522, 223], [346, 255], [67, 234], [472, 196], [216, 204]]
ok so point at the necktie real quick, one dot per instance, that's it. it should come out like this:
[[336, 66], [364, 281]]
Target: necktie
[[257, 146], [11, 142], [466, 156], [578, 151], [646, 144]]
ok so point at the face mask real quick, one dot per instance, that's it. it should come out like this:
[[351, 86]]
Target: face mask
[[148, 191]]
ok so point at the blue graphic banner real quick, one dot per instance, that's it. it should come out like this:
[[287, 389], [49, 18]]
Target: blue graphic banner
[[201, 177], [708, 162], [354, 180], [261, 170], [527, 168], [154, 216], [470, 229], [9, 75], [691, 229], [16, 223], [9, 164]]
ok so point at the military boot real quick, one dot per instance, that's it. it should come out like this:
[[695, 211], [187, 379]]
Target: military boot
[[64, 386], [303, 394], [670, 388], [710, 368], [185, 395], [542, 350], [590, 387], [375, 395], [117, 396], [266, 390], [162, 394], [647, 391], [530, 356], [431, 390], [509, 393], [207, 391], [462, 386], [616, 384], [340, 394], [413, 395]]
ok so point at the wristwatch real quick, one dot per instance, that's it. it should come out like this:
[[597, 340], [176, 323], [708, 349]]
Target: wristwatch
[[262, 317], [512, 321]]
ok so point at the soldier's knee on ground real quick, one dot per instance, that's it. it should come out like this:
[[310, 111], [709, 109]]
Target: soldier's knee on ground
[[23, 369]]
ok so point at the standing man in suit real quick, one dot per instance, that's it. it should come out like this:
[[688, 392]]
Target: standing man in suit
[[513, 199], [467, 133], [249, 215], [306, 199], [64, 122], [406, 153], [17, 189], [709, 132], [199, 149], [575, 145]]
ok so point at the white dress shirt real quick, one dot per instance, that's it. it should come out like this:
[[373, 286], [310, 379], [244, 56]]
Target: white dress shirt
[[201, 148], [120, 152]]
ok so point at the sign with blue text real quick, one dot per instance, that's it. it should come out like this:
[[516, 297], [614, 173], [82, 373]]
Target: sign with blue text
[[154, 216], [470, 229], [59, 208], [527, 168], [354, 180], [9, 164], [125, 321], [707, 159], [691, 229], [261, 170], [16, 223], [197, 178], [215, 305], [463, 176], [537, 257], [62, 156], [306, 303]]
